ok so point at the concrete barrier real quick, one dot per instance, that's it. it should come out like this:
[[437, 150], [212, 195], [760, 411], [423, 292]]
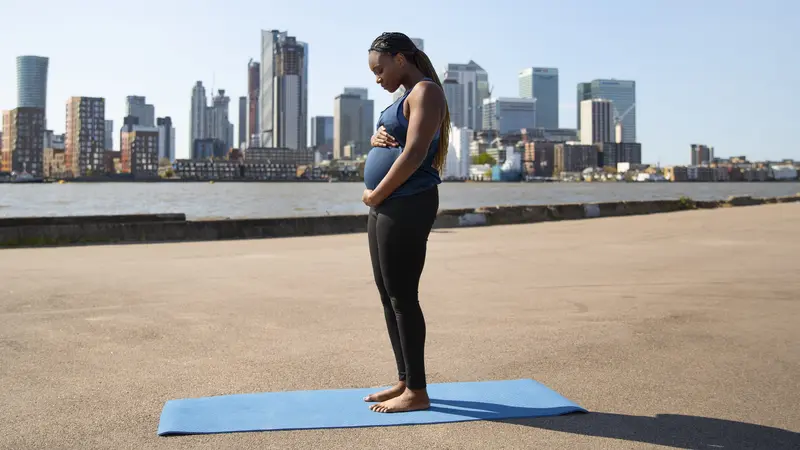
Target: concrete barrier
[[55, 231]]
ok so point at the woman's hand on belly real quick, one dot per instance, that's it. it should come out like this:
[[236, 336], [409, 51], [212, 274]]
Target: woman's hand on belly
[[382, 139], [368, 198]]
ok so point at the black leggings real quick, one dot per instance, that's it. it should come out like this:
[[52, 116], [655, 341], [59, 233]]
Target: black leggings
[[398, 232]]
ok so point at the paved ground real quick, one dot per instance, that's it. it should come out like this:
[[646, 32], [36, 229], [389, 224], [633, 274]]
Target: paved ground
[[679, 330]]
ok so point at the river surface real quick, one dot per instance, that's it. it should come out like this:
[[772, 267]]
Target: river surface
[[257, 200]]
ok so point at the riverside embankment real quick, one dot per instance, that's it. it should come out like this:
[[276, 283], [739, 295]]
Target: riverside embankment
[[674, 331], [57, 231]]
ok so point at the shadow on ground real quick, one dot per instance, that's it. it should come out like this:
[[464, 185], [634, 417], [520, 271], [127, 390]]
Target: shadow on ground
[[672, 430]]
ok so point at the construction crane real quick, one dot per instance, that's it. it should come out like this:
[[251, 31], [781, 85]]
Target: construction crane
[[618, 118], [618, 121]]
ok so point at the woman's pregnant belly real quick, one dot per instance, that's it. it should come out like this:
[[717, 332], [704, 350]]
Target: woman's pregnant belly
[[379, 161]]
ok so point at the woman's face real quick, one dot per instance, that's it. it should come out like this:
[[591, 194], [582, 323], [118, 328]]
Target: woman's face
[[388, 70]]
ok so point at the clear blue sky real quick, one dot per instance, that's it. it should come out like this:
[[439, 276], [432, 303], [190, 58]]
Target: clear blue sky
[[720, 72]]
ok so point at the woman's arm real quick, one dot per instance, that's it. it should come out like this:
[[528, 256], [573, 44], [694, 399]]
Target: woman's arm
[[426, 104]]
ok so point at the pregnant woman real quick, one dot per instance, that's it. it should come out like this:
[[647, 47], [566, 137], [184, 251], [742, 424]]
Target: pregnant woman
[[402, 177]]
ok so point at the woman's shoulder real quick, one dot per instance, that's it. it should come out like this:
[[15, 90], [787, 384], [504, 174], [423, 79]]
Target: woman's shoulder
[[427, 92]]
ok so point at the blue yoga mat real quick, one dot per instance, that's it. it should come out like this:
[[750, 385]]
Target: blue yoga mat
[[345, 408]]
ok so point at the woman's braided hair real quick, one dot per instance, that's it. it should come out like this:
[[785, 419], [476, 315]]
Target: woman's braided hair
[[394, 43]]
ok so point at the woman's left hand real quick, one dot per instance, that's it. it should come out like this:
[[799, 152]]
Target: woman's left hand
[[368, 198]]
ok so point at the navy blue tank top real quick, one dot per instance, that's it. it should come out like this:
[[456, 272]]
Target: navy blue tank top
[[380, 159]]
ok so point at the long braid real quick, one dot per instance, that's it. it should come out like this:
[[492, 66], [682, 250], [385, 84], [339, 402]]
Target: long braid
[[394, 43]]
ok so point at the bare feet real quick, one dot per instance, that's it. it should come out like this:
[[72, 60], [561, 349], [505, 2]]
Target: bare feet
[[390, 393], [407, 401]]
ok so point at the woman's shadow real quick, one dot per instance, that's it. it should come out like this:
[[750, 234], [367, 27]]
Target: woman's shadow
[[664, 429]]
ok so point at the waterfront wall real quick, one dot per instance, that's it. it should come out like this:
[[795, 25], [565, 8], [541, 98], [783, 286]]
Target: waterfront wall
[[58, 231]]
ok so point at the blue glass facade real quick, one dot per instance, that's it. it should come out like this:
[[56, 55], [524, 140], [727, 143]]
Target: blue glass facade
[[32, 81]]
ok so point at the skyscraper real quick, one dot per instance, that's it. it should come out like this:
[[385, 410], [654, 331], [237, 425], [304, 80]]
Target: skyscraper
[[542, 84], [454, 94], [242, 141], [420, 45], [322, 133], [623, 95], [85, 136], [353, 114], [197, 124], [32, 82], [596, 120], [109, 144], [474, 82], [137, 106], [584, 93], [166, 138], [218, 125], [253, 88], [283, 97]]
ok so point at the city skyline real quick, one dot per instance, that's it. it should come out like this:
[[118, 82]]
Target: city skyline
[[679, 106]]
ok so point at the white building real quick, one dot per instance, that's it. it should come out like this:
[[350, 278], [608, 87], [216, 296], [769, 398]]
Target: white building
[[596, 121], [283, 97], [457, 163], [784, 172], [513, 162]]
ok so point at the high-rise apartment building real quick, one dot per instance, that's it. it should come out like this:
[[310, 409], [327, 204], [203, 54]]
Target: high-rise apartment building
[[253, 88], [574, 157], [139, 148], [32, 81], [137, 106], [541, 83], [322, 133], [399, 92], [596, 121], [218, 125], [85, 136], [198, 121], [474, 84], [166, 138], [283, 95], [701, 154], [509, 115], [242, 141], [23, 141], [614, 153], [353, 114], [622, 94]]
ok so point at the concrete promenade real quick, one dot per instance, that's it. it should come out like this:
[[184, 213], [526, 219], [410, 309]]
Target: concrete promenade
[[677, 330]]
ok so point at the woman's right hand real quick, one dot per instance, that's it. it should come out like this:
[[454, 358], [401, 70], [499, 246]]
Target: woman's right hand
[[382, 139]]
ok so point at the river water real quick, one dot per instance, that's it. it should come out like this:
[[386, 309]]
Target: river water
[[258, 200]]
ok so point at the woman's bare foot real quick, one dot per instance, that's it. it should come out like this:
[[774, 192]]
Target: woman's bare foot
[[388, 394], [409, 400]]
